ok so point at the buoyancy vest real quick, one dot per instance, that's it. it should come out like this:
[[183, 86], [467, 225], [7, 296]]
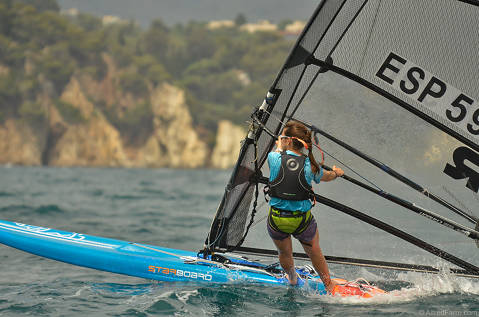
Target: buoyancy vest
[[291, 184]]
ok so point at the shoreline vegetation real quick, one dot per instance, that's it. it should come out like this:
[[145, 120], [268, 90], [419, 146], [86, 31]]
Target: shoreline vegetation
[[81, 90]]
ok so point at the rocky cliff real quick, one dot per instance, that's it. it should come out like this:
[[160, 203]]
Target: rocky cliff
[[227, 146], [19, 144], [78, 132]]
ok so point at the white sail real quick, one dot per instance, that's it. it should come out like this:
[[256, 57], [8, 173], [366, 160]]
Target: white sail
[[396, 81]]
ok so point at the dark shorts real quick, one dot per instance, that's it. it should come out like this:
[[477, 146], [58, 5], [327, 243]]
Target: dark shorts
[[306, 236]]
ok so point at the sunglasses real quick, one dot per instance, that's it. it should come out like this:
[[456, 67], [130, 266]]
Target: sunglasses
[[283, 137]]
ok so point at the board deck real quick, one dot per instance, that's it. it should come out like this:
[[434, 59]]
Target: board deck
[[142, 260]]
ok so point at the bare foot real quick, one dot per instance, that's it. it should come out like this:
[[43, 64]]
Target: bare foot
[[292, 280], [330, 287]]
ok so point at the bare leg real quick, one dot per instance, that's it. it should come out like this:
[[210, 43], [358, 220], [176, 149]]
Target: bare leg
[[319, 262], [285, 250]]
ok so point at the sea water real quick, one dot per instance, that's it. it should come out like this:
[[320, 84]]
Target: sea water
[[171, 208]]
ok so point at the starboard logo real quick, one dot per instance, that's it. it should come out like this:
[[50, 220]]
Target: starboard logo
[[461, 170], [180, 273]]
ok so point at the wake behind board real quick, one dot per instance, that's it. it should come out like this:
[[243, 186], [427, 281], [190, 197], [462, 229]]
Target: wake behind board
[[158, 263]]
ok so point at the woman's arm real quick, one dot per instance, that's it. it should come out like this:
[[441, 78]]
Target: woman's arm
[[330, 175]]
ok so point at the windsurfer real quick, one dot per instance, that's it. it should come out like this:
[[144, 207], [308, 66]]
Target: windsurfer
[[291, 175]]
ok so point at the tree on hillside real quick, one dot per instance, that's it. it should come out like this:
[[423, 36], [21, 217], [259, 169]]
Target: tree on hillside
[[240, 19], [42, 5], [155, 41], [283, 23], [5, 19], [200, 41]]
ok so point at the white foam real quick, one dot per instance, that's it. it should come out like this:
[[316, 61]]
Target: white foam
[[183, 296], [434, 284], [423, 285]]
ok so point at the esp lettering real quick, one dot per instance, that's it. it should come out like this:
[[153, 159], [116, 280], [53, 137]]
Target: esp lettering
[[431, 91], [434, 87]]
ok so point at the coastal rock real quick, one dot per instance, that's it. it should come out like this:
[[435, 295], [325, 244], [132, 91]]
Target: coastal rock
[[228, 144], [79, 128], [150, 155], [178, 144], [94, 143], [73, 94], [19, 144], [4, 70]]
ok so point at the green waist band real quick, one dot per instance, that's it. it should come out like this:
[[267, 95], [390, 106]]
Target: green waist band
[[292, 222]]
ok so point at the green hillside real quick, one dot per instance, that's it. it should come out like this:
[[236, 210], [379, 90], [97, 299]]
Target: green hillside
[[224, 71]]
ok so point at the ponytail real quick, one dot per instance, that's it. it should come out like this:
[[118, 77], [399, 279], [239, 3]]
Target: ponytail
[[314, 165]]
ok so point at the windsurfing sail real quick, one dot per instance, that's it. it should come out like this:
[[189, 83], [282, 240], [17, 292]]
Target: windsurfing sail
[[391, 90]]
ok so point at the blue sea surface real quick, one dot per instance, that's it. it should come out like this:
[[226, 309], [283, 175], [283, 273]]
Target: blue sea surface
[[172, 208]]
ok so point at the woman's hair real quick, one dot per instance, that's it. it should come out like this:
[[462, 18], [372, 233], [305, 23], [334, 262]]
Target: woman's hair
[[298, 130]]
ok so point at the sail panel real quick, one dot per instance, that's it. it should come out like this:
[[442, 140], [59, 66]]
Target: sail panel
[[422, 52]]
